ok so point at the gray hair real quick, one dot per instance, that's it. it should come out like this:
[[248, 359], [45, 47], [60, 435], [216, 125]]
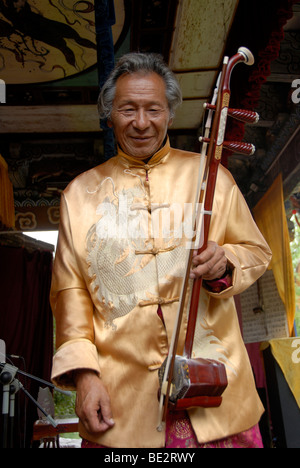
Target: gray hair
[[137, 62]]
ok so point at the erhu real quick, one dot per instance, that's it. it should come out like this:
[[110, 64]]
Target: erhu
[[187, 382]]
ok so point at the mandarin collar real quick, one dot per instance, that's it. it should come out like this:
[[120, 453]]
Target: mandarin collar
[[153, 161]]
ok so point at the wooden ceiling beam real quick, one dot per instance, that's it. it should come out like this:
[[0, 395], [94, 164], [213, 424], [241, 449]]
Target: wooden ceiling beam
[[49, 119]]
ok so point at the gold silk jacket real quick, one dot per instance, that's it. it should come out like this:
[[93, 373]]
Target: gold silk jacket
[[121, 252]]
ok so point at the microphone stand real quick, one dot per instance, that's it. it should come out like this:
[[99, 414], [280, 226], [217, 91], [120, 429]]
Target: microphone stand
[[11, 386]]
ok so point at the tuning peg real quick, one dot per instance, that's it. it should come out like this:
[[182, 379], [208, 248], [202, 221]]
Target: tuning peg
[[246, 116], [236, 146]]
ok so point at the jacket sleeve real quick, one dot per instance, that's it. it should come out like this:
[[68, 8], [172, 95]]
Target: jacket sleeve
[[73, 310], [234, 228]]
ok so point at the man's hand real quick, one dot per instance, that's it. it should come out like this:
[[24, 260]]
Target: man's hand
[[210, 264], [92, 402]]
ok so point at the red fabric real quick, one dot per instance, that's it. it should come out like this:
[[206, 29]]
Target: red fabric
[[180, 434], [218, 285], [26, 325]]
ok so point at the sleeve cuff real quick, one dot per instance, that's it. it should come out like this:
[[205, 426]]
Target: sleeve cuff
[[79, 354]]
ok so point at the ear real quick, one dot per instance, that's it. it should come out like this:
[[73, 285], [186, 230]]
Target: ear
[[170, 123], [109, 124]]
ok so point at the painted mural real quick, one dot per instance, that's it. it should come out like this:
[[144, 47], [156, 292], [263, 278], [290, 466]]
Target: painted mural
[[46, 40]]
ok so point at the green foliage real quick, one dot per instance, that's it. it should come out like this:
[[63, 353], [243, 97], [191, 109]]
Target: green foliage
[[64, 405], [295, 250]]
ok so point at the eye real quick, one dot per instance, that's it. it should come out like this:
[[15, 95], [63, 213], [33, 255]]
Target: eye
[[128, 111], [154, 110]]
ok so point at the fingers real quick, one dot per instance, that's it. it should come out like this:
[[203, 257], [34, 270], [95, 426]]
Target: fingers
[[210, 264], [95, 414], [93, 403], [105, 414]]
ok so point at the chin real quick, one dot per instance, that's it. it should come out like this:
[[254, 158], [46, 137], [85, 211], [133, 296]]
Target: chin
[[140, 154]]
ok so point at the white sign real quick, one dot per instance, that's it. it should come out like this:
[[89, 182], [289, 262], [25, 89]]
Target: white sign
[[263, 312]]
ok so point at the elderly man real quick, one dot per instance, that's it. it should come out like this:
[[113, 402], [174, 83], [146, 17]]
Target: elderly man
[[118, 274]]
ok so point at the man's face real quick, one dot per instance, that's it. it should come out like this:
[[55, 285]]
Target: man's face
[[140, 115]]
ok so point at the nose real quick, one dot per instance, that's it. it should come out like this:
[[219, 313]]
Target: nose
[[141, 120]]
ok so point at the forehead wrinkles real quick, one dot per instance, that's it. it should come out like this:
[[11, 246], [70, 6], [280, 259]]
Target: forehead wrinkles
[[141, 87]]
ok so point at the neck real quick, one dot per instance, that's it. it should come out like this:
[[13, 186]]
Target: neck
[[153, 159]]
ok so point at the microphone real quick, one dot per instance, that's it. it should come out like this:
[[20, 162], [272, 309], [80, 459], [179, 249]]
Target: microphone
[[14, 356], [3, 361]]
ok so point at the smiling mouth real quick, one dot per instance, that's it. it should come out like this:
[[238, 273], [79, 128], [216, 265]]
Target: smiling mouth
[[140, 138]]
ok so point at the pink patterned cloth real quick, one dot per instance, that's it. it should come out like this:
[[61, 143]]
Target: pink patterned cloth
[[180, 434]]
